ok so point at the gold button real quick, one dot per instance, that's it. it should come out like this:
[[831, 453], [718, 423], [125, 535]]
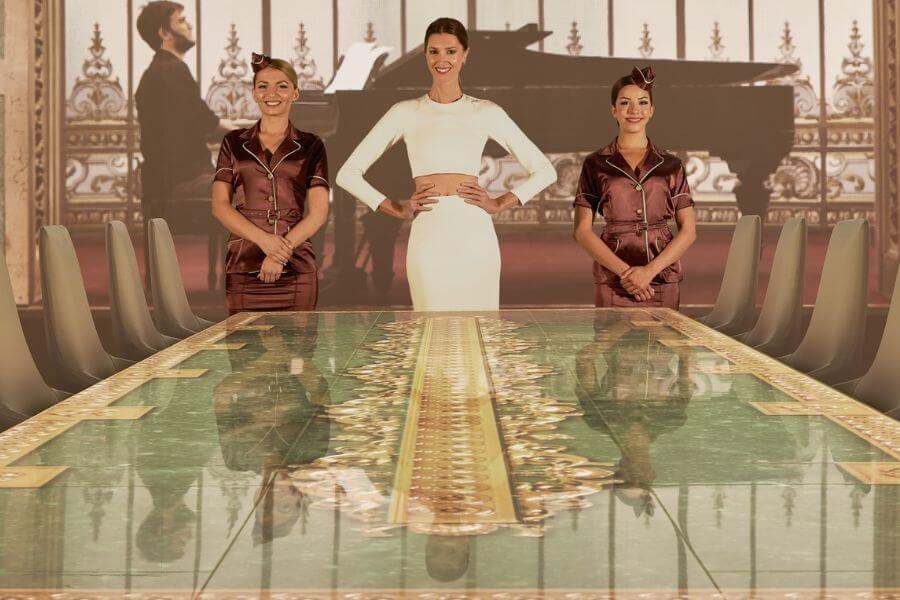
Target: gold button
[[271, 198], [638, 211], [638, 187], [270, 176]]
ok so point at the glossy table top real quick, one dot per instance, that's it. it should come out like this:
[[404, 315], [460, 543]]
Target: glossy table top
[[555, 453]]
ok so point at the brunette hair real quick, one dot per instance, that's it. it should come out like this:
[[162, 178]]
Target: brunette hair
[[155, 15], [451, 26], [279, 65], [643, 78]]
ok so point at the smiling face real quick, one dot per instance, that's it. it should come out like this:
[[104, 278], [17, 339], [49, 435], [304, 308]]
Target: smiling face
[[445, 56], [274, 92], [632, 110]]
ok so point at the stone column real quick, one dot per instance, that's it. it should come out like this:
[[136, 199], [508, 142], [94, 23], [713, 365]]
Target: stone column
[[30, 128], [887, 134]]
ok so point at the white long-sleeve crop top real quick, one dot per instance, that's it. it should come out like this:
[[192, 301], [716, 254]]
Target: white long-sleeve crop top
[[444, 138]]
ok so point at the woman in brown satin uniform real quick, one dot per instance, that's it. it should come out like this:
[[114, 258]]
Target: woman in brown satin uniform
[[637, 188], [274, 173]]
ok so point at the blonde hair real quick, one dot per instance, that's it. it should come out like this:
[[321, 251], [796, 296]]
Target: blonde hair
[[283, 66]]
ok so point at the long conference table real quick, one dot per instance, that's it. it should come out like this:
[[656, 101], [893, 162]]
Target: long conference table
[[565, 454]]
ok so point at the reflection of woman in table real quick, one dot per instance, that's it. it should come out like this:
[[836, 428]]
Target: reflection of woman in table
[[266, 411], [453, 259], [638, 189], [643, 393], [174, 443], [274, 173]]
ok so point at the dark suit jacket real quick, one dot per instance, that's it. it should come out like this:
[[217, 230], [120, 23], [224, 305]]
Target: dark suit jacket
[[175, 125]]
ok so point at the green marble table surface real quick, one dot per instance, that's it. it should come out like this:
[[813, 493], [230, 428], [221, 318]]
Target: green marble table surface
[[647, 456]]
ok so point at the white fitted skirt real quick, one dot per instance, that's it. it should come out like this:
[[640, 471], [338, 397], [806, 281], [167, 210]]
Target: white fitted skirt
[[453, 259]]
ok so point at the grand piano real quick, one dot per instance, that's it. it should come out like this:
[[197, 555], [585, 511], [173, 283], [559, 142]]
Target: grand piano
[[562, 103]]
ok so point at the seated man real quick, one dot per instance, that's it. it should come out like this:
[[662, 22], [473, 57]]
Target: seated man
[[175, 122]]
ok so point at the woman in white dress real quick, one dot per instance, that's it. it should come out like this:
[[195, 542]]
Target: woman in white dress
[[453, 259]]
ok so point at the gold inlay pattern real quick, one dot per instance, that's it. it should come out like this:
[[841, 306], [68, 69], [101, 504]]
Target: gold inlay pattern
[[877, 429], [800, 408], [179, 374], [874, 473], [462, 594], [93, 413], [728, 369], [646, 323], [25, 437], [679, 343], [28, 477], [94, 402], [227, 346], [360, 471], [451, 467]]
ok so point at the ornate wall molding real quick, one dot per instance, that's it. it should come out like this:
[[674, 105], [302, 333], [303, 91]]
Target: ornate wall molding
[[886, 142], [97, 94], [2, 162], [231, 94], [853, 91]]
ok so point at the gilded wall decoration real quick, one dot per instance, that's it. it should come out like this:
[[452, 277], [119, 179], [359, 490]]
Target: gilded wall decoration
[[40, 150], [854, 94], [97, 94], [887, 155], [304, 64], [806, 104], [230, 94]]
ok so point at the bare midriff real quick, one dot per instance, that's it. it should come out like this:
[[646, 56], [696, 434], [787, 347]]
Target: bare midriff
[[445, 184]]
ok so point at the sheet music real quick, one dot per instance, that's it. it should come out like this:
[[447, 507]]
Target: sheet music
[[356, 67]]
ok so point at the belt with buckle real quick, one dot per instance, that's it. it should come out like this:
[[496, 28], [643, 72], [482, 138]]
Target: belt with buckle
[[632, 226]]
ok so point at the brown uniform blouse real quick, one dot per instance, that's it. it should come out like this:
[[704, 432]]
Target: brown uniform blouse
[[270, 191], [636, 205]]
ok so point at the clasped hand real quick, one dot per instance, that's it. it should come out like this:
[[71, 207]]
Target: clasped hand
[[636, 281], [278, 250]]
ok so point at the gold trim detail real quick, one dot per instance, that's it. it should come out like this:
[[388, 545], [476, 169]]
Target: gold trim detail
[[812, 593], [679, 343], [95, 402], [646, 323], [179, 374], [358, 474], [877, 429], [873, 473], [93, 413], [451, 466], [26, 437], [28, 477], [803, 409], [729, 369]]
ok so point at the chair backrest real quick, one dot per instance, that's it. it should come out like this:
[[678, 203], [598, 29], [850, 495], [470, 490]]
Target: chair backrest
[[831, 348], [735, 305], [171, 310], [22, 388], [134, 334], [880, 386], [72, 339], [778, 330]]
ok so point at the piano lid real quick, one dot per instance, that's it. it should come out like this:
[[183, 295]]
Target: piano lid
[[501, 59]]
